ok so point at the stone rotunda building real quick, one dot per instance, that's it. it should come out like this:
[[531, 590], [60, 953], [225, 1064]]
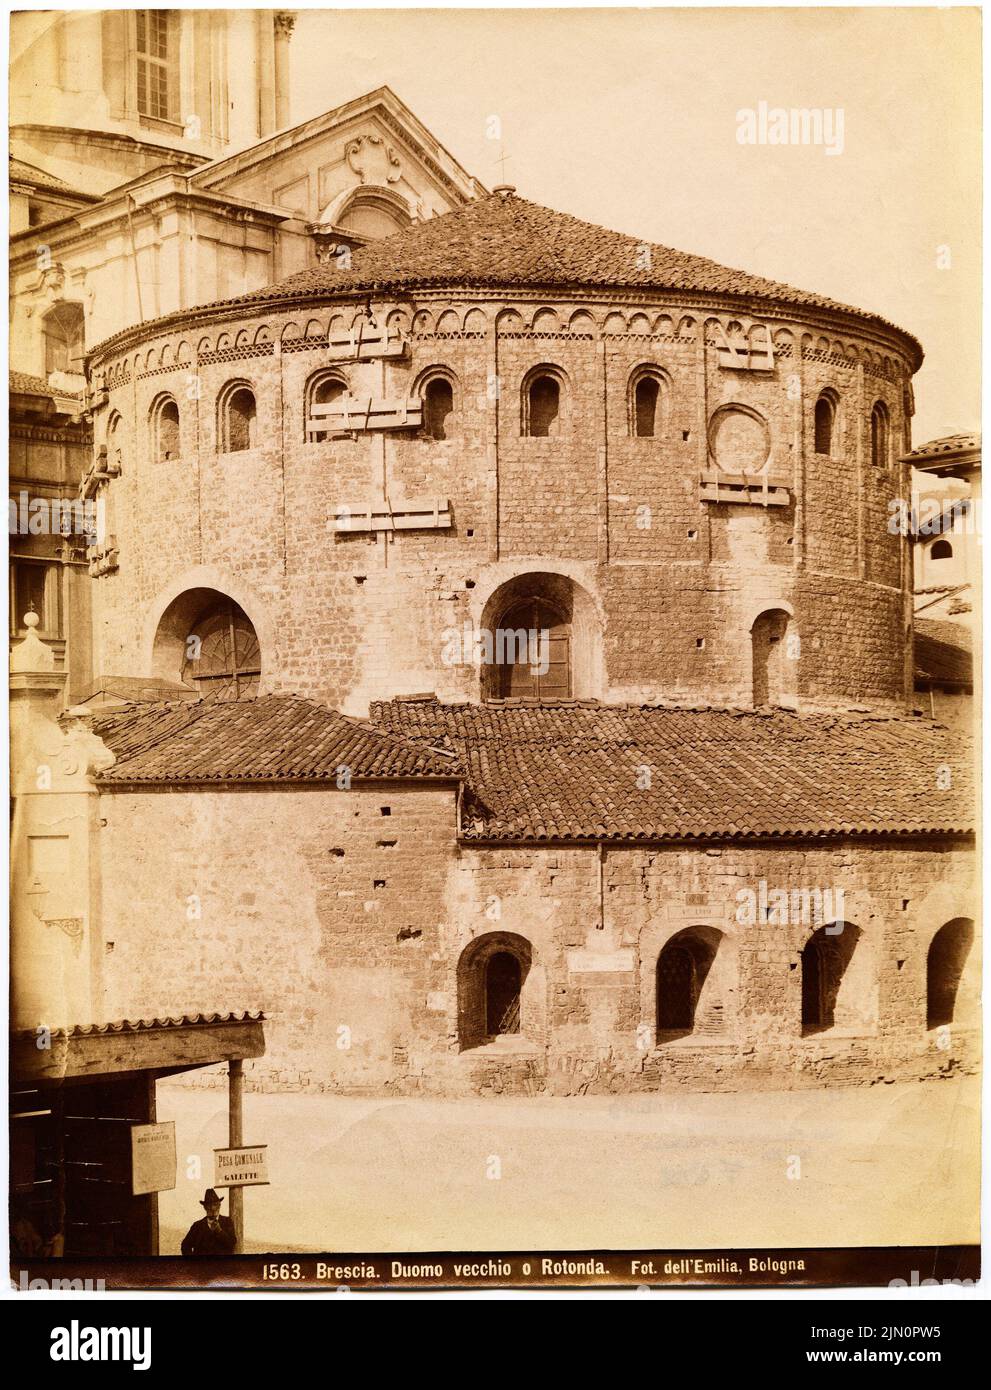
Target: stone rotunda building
[[506, 676]]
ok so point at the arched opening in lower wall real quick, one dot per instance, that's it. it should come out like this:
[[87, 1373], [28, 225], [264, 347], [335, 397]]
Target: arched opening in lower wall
[[540, 639], [205, 639], [945, 962], [683, 968], [839, 989], [492, 979], [775, 665]]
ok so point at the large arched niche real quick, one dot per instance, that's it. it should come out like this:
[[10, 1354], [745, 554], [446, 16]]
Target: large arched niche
[[183, 606], [576, 623]]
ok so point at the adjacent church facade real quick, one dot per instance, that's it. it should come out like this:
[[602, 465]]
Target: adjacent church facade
[[502, 660]]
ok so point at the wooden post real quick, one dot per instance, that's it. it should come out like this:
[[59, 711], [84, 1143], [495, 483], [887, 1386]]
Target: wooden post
[[235, 1139]]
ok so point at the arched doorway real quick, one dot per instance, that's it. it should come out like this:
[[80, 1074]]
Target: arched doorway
[[945, 962], [534, 641], [540, 638]]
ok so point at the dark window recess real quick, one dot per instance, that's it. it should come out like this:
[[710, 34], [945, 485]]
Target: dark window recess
[[544, 406], [240, 423], [503, 986], [645, 407], [438, 402]]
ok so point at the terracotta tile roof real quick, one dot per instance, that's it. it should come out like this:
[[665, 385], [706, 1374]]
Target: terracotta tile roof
[[24, 384], [146, 1025], [949, 444], [570, 769], [280, 738], [943, 653], [507, 241], [21, 172]]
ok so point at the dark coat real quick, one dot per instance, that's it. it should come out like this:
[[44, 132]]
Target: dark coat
[[200, 1240]]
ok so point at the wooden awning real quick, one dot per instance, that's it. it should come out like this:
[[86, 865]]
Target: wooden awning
[[160, 1045]]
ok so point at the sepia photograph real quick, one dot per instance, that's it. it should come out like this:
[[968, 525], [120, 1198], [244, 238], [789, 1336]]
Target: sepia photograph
[[494, 628]]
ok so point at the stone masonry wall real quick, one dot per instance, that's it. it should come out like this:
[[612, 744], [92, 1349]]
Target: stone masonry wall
[[352, 935], [674, 582]]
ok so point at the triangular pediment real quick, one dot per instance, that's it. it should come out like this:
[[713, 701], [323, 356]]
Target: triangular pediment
[[371, 151]]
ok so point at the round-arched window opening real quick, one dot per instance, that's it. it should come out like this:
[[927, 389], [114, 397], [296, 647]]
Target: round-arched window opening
[[645, 400], [322, 396], [503, 988], [825, 962], [438, 403], [945, 962], [941, 550], [825, 418], [165, 429], [238, 418], [222, 653], [542, 407], [682, 969], [879, 435], [495, 992]]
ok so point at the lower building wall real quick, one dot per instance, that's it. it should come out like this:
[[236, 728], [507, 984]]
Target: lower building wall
[[382, 950]]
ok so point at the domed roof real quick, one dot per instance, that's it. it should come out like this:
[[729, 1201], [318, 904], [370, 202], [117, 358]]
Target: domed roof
[[503, 240]]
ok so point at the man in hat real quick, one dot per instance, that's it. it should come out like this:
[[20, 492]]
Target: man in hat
[[213, 1234]]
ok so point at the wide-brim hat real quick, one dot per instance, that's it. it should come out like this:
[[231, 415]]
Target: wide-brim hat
[[210, 1196]]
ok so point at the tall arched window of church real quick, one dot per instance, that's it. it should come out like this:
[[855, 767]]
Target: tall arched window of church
[[438, 403], [543, 407], [824, 417], [879, 435]]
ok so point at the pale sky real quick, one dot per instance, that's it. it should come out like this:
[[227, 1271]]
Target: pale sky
[[628, 118]]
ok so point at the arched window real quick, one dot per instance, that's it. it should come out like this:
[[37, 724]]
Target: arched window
[[115, 437], [879, 435], [236, 423], [323, 390], [682, 968], [165, 429], [491, 982], [64, 329], [825, 961], [542, 404], [945, 961], [532, 651], [438, 403], [646, 401], [941, 550], [223, 657], [774, 663], [825, 422]]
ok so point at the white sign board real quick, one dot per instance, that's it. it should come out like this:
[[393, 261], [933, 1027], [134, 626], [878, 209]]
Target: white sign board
[[153, 1163], [244, 1167]]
